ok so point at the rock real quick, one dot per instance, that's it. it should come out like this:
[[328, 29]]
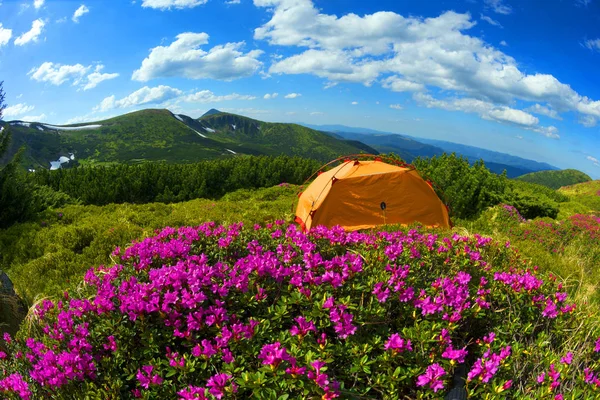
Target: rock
[[12, 308], [6, 286]]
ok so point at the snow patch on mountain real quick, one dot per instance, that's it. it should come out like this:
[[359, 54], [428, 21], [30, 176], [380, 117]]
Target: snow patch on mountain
[[72, 128]]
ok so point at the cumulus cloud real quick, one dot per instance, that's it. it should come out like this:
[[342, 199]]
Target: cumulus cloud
[[168, 4], [402, 85], [17, 109], [410, 54], [503, 43], [269, 96], [57, 74], [185, 58], [544, 110], [592, 44], [96, 77], [206, 96], [32, 35], [38, 4], [5, 35], [498, 6], [34, 118], [588, 121], [491, 21], [143, 96], [396, 106], [488, 111], [292, 95], [354, 103], [161, 94], [79, 13]]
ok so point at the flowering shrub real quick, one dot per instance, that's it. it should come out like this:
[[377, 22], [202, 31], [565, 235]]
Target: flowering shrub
[[271, 313]]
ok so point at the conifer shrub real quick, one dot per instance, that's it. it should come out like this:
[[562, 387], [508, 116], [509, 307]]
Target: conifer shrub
[[271, 313]]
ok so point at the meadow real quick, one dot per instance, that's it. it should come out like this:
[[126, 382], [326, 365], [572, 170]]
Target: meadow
[[204, 298]]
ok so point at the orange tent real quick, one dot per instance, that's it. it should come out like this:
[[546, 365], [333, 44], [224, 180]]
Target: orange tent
[[364, 194]]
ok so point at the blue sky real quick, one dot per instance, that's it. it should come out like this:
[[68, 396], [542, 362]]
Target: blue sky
[[520, 77]]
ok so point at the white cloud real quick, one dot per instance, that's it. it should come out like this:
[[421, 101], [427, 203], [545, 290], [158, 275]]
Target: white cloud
[[206, 96], [143, 96], [292, 95], [488, 111], [592, 44], [20, 95], [317, 113], [354, 103], [233, 2], [519, 137], [548, 131], [543, 110], [168, 4], [96, 77], [589, 121], [32, 35], [402, 85], [593, 159], [5, 35], [162, 94], [184, 58], [17, 109], [38, 3], [498, 6], [269, 96], [396, 106], [57, 74], [491, 21], [79, 13], [411, 54], [503, 43], [34, 118]]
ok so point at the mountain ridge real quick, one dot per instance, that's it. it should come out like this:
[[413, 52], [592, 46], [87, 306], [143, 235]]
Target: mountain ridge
[[161, 135]]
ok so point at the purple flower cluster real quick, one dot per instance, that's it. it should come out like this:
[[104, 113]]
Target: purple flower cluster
[[487, 366], [432, 377], [199, 287]]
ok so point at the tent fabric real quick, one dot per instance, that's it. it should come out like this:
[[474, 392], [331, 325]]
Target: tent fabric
[[351, 195]]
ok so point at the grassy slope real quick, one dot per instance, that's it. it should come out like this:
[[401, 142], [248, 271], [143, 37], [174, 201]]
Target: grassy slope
[[585, 198], [277, 138], [556, 179], [157, 135]]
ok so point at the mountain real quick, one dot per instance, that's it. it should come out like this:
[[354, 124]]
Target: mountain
[[159, 135], [475, 153], [556, 179], [405, 147], [212, 111], [409, 147]]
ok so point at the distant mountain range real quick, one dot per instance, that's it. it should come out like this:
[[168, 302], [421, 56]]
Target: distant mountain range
[[409, 148], [159, 135]]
